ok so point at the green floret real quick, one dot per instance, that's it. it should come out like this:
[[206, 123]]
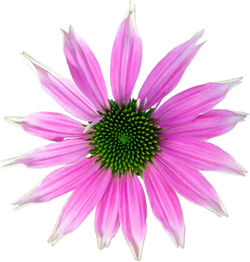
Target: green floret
[[125, 139]]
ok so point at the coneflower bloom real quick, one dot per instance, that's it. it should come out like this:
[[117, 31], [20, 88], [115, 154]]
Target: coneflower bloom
[[125, 141]]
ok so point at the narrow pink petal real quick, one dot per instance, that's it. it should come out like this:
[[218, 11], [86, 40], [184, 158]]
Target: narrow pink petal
[[201, 155], [133, 213], [168, 72], [85, 69], [125, 60], [59, 182], [189, 183], [92, 123], [65, 93], [165, 204], [213, 123], [65, 152], [85, 197], [107, 214], [188, 104], [49, 125]]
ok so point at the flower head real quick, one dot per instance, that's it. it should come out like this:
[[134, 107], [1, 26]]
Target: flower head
[[125, 140]]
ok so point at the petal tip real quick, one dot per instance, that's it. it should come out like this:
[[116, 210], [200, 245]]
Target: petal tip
[[55, 235], [232, 82], [99, 243], [243, 115], [38, 66], [71, 30], [103, 243], [178, 240], [11, 164], [132, 6], [17, 208], [199, 33], [242, 171], [223, 211], [182, 239], [63, 32], [137, 250], [54, 238], [20, 206], [217, 208], [14, 120], [24, 200], [201, 44], [181, 245]]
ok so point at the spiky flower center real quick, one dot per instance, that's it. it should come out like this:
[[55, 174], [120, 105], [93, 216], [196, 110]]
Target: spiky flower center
[[125, 139]]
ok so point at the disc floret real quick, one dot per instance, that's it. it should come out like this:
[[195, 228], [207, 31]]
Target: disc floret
[[125, 139]]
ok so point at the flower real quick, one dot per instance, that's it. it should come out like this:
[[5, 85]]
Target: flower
[[127, 140]]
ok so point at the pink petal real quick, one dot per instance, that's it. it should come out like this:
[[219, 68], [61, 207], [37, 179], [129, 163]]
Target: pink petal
[[92, 123], [165, 204], [213, 123], [125, 60], [65, 152], [188, 104], [59, 182], [107, 214], [65, 93], [201, 155], [81, 203], [168, 72], [189, 183], [133, 213], [49, 125], [85, 69]]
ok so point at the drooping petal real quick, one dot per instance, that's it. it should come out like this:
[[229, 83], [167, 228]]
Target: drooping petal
[[189, 183], [165, 204], [65, 93], [49, 125], [213, 123], [133, 213], [168, 72], [201, 155], [188, 104], [59, 182], [125, 60], [65, 152], [85, 69], [85, 197], [107, 214]]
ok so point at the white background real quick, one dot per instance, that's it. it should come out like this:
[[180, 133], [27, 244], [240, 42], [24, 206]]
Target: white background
[[33, 26]]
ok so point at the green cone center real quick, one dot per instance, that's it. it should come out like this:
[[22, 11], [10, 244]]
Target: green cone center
[[125, 139]]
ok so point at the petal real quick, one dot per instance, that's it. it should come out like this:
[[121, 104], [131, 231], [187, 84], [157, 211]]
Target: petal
[[65, 93], [133, 213], [65, 152], [168, 72], [81, 203], [107, 214], [92, 123], [85, 69], [49, 125], [59, 182], [188, 104], [201, 155], [213, 123], [189, 183], [125, 60], [165, 204]]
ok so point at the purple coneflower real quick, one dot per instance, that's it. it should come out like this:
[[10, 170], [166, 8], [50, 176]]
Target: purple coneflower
[[126, 140]]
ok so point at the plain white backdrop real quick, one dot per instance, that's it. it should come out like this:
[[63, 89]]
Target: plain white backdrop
[[33, 26]]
